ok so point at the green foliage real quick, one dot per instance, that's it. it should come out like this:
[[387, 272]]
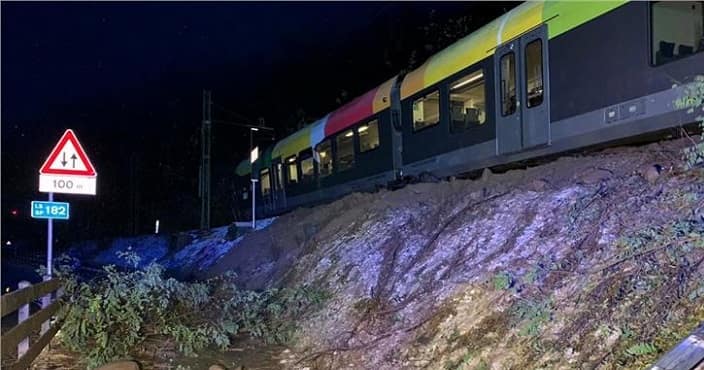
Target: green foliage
[[693, 99], [483, 365], [678, 238], [641, 349], [534, 314], [111, 316], [454, 336], [503, 280], [459, 364], [532, 275], [627, 332], [541, 269], [697, 292]]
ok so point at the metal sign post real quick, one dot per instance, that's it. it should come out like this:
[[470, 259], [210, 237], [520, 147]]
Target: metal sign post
[[49, 241], [50, 210]]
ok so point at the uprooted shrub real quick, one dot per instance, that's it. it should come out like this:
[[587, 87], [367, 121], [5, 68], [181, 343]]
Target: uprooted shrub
[[110, 316]]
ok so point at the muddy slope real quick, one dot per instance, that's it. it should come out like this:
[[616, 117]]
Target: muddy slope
[[592, 261]]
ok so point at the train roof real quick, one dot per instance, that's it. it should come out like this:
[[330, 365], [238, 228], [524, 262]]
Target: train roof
[[293, 143], [243, 168], [362, 107]]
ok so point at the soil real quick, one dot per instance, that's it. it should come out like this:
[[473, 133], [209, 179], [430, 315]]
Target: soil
[[244, 353], [570, 264]]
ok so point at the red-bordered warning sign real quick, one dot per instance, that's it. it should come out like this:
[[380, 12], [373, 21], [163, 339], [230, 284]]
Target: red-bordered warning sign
[[68, 158]]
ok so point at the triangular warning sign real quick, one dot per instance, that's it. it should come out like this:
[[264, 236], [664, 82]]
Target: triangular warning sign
[[68, 158]]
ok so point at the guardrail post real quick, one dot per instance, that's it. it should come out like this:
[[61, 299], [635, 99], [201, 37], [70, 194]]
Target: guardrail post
[[46, 301], [22, 315]]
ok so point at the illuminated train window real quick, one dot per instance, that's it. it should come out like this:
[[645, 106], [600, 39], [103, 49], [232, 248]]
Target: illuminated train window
[[279, 176], [307, 167], [426, 111], [265, 181], [368, 136], [467, 102], [508, 84], [291, 170], [345, 150], [324, 152], [534, 73], [678, 30]]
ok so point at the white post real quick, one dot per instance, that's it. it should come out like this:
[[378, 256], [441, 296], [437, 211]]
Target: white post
[[22, 315], [254, 204], [46, 301]]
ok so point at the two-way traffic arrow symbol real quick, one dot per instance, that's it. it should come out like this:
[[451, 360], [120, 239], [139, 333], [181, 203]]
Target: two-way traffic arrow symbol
[[73, 160]]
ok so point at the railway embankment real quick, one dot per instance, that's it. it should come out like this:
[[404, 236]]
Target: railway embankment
[[590, 261]]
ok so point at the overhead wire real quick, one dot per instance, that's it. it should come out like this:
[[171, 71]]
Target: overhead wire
[[238, 115]]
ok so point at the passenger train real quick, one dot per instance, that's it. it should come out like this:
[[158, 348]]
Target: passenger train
[[544, 78]]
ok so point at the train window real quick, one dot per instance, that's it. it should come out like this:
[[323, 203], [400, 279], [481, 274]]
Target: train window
[[324, 151], [678, 30], [368, 136], [345, 150], [508, 84], [467, 102], [534, 73], [426, 111], [291, 170], [265, 181], [279, 176], [307, 168]]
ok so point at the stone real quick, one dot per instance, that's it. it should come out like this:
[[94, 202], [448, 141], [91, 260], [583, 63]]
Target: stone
[[651, 173], [538, 185], [217, 367], [486, 175], [594, 176], [309, 230], [121, 365]]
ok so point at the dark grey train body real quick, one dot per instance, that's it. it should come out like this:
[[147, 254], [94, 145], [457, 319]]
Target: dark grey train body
[[609, 78]]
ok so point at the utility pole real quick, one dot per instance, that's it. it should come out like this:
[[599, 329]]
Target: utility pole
[[205, 161], [204, 179]]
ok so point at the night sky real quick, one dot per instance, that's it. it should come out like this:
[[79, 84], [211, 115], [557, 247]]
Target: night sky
[[128, 78]]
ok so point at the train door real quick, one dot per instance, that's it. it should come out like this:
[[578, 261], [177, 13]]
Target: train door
[[265, 184], [522, 93]]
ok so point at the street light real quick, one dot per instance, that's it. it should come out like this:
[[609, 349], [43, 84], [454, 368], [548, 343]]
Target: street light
[[254, 154]]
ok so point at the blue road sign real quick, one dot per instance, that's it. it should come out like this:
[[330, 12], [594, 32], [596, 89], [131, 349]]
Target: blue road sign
[[50, 210]]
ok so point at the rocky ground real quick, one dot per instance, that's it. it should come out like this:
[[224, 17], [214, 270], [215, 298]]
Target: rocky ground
[[592, 261]]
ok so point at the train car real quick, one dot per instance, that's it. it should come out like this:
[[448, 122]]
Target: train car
[[544, 78]]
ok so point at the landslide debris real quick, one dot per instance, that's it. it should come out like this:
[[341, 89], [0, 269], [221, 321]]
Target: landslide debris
[[589, 261]]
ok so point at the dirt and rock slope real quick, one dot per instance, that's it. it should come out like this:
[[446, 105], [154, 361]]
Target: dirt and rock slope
[[590, 261]]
